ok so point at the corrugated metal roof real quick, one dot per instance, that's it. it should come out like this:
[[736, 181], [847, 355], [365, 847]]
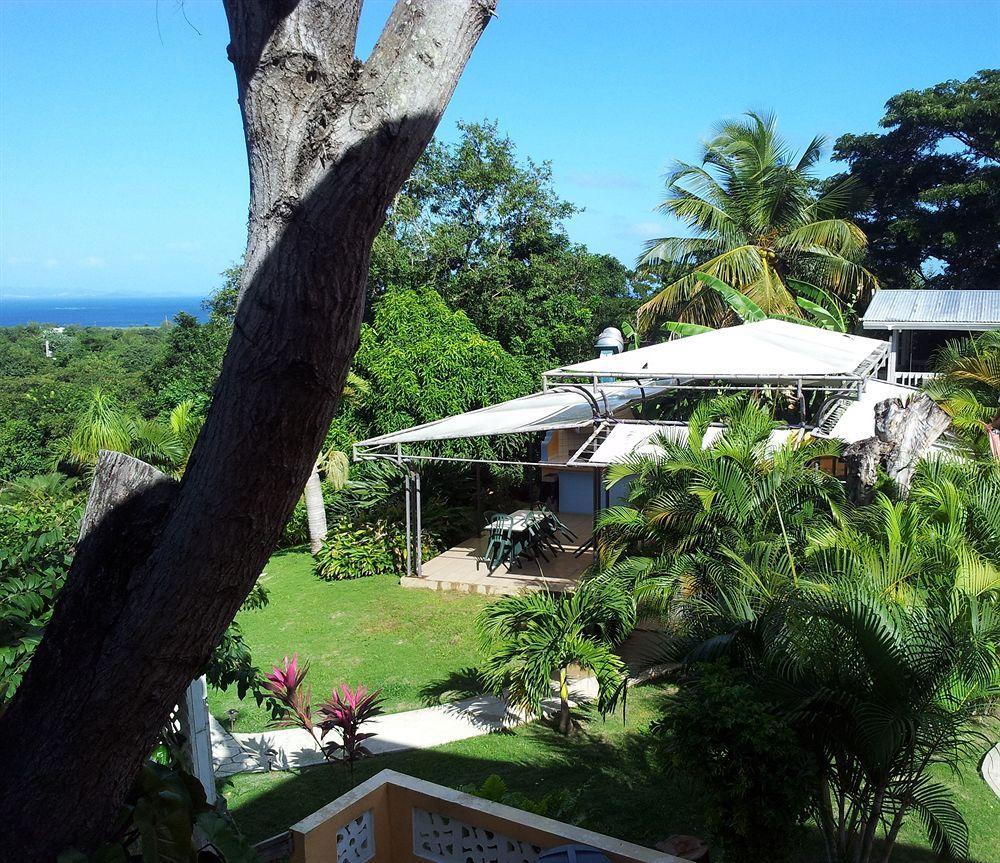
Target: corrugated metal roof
[[933, 310]]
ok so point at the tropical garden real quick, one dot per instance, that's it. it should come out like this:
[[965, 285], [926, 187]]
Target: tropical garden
[[824, 674]]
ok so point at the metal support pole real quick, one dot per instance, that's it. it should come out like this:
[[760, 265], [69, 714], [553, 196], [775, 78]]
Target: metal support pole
[[479, 496], [890, 375], [195, 726], [409, 532], [419, 536]]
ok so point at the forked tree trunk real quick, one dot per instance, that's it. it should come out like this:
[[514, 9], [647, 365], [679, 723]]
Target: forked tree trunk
[[315, 511], [162, 568], [903, 435]]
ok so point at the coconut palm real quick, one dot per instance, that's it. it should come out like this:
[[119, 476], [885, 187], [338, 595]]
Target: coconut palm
[[756, 222], [968, 387], [713, 493], [532, 637]]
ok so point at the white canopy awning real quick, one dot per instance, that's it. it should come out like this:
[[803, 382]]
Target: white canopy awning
[[560, 407], [641, 438], [764, 350]]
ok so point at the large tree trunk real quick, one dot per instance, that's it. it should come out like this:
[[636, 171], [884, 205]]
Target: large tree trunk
[[315, 511], [162, 568], [903, 435]]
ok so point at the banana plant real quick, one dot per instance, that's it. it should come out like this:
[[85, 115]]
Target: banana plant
[[822, 308]]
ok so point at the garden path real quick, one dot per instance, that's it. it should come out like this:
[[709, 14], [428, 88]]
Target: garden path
[[288, 748], [991, 769]]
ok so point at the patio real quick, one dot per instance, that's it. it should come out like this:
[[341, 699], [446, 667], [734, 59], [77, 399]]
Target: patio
[[456, 569]]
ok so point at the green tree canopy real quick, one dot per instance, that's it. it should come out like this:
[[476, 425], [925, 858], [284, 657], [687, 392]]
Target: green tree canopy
[[933, 218], [423, 361], [486, 230]]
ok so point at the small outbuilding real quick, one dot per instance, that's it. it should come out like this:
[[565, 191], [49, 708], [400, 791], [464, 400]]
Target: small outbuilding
[[919, 322]]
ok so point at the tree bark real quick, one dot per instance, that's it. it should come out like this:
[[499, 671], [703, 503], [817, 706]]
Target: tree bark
[[315, 511], [903, 435], [162, 568]]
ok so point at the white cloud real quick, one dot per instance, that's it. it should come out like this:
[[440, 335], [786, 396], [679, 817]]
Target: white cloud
[[92, 262], [50, 263], [19, 260]]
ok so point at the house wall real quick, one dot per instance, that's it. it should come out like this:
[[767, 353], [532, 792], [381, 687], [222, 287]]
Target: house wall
[[576, 486]]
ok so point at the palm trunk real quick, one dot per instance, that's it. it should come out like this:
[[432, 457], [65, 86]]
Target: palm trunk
[[565, 723], [315, 511]]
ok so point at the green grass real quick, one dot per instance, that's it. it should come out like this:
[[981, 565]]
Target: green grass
[[608, 765], [369, 631], [414, 643]]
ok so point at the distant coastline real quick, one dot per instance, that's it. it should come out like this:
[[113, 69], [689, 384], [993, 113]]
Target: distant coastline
[[96, 311]]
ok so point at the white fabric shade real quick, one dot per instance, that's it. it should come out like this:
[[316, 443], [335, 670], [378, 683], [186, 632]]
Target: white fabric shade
[[762, 350], [627, 438], [557, 408]]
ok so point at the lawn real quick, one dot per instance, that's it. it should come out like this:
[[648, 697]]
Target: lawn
[[369, 631], [607, 766]]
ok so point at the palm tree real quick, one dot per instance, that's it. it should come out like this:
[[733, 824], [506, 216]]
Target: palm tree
[[531, 637], [715, 494], [756, 223], [104, 424], [968, 387], [886, 691], [822, 309], [882, 646], [335, 465]]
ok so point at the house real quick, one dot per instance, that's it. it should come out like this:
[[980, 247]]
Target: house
[[919, 322], [589, 414]]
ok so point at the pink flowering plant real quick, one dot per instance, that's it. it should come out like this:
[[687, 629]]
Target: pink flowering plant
[[346, 710]]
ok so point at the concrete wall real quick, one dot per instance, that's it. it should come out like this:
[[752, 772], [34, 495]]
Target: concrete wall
[[390, 803]]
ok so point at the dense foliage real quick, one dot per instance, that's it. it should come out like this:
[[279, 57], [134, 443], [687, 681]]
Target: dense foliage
[[933, 180], [753, 771], [486, 230], [874, 631]]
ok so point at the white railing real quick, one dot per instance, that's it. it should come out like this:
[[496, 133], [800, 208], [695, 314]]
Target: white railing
[[912, 379], [394, 818]]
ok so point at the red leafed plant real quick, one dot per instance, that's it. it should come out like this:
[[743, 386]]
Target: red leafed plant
[[347, 710], [285, 686]]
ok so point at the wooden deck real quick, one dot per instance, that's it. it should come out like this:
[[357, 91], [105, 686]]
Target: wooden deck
[[456, 569]]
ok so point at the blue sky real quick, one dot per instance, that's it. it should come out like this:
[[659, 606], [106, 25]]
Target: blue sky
[[122, 165]]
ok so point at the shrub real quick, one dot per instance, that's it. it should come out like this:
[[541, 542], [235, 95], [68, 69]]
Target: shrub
[[360, 550], [758, 779], [36, 541], [354, 552]]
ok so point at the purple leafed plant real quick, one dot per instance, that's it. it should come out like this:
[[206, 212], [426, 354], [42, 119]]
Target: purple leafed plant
[[285, 686], [346, 710]]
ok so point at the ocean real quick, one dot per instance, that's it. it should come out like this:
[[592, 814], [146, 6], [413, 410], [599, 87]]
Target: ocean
[[96, 311]]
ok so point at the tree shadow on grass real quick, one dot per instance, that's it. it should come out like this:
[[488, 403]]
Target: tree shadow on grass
[[456, 685], [616, 785]]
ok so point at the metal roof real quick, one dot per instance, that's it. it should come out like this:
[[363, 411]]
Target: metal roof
[[933, 310]]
